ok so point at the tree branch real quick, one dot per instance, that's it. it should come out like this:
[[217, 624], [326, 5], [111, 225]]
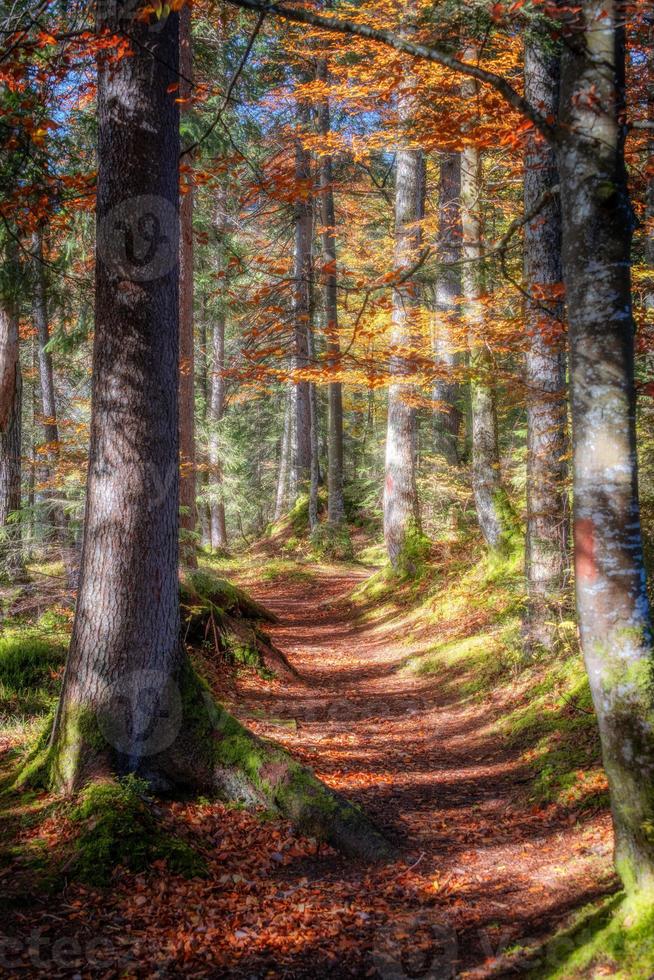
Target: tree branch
[[302, 15]]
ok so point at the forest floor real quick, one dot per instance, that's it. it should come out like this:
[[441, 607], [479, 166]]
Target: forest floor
[[485, 874]]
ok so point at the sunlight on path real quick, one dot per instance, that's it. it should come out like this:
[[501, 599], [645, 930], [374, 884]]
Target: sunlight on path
[[429, 769]]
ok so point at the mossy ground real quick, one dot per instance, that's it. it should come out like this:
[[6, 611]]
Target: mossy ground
[[613, 937], [476, 612], [117, 827]]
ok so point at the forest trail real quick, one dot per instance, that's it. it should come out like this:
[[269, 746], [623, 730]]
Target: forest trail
[[489, 870]]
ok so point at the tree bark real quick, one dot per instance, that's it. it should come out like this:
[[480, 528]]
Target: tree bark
[[130, 700], [400, 493], [125, 646], [216, 406], [336, 503], [56, 510], [11, 559], [447, 414], [546, 553], [612, 605], [486, 475], [284, 458], [302, 301], [187, 489], [315, 448]]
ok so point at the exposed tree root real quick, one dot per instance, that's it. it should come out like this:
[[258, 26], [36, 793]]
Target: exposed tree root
[[216, 612], [203, 749]]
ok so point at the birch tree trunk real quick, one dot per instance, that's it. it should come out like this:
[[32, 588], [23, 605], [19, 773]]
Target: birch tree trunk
[[11, 561], [447, 414], [613, 611], [302, 302], [486, 475], [546, 553], [400, 492], [336, 503], [187, 491]]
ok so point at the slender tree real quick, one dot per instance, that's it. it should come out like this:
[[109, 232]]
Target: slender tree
[[486, 474], [336, 503], [11, 560], [546, 554], [400, 492], [57, 515], [187, 484], [284, 456], [447, 413], [302, 300], [216, 404]]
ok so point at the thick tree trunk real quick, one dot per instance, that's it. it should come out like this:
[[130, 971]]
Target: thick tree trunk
[[130, 701], [187, 491], [546, 553], [11, 559], [612, 604], [216, 404], [284, 458], [56, 510], [125, 647], [400, 492], [302, 302], [486, 475], [447, 414], [336, 503]]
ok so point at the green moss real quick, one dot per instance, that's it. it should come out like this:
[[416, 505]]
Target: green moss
[[281, 568], [332, 542], [413, 558], [118, 828], [614, 938]]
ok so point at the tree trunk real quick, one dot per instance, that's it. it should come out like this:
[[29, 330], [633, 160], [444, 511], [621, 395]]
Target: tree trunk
[[315, 449], [11, 559], [302, 302], [486, 475], [56, 511], [216, 412], [613, 612], [447, 414], [336, 503], [546, 557], [284, 458], [187, 494], [202, 384], [130, 700], [125, 646], [216, 405], [400, 492]]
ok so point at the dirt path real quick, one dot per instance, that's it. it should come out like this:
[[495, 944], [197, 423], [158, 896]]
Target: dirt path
[[480, 868], [491, 871]]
